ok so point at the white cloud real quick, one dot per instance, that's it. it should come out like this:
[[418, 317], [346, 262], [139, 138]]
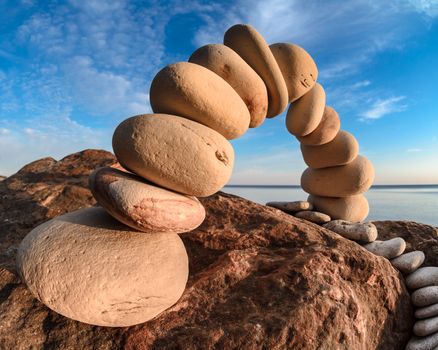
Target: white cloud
[[428, 7], [54, 136], [381, 108], [414, 150]]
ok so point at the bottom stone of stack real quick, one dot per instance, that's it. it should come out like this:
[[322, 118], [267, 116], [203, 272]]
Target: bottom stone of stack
[[87, 266], [352, 208]]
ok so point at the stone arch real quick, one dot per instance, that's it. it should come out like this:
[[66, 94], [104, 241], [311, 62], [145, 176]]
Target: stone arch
[[216, 96]]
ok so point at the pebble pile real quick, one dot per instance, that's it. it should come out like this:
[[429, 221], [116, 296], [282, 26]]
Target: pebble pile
[[123, 263], [422, 281]]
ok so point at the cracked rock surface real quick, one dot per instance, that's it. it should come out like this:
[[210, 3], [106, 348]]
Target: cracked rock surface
[[259, 278]]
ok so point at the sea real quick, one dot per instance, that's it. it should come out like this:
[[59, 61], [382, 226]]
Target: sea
[[387, 202]]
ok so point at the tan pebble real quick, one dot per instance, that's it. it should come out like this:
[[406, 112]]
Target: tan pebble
[[250, 45], [388, 249], [87, 266], [326, 130], [341, 181], [364, 232], [226, 63], [174, 153], [343, 149], [305, 114], [195, 92], [425, 296], [144, 206], [352, 208], [424, 276], [291, 206], [428, 311], [409, 262], [298, 68], [313, 216], [423, 343]]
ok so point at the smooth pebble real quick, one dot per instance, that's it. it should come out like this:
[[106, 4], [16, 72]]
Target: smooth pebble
[[351, 208], [313, 216], [409, 262], [144, 206], [425, 296], [364, 232], [424, 276], [291, 206], [388, 249], [87, 266]]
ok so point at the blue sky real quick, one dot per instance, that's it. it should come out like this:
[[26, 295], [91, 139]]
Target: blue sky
[[70, 71]]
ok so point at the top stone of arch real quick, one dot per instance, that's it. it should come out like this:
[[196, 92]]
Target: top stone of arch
[[287, 70]]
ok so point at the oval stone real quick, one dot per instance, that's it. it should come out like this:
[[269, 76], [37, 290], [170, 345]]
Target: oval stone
[[340, 181], [174, 153], [409, 262], [305, 114], [343, 149], [195, 92], [291, 207], [428, 311], [87, 266], [352, 208], [144, 206], [388, 249], [298, 68], [226, 63], [423, 343], [426, 327], [326, 130], [250, 45], [313, 216], [424, 276], [425, 296], [363, 232]]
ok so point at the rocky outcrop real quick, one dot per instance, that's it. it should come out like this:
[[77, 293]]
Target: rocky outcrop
[[259, 278]]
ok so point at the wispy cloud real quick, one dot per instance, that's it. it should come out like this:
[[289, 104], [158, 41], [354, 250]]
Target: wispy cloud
[[381, 108], [414, 150], [428, 7]]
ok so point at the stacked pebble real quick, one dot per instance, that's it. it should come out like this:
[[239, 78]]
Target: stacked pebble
[[92, 268]]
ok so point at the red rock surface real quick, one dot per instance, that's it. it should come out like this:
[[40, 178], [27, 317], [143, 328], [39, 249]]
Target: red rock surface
[[259, 279]]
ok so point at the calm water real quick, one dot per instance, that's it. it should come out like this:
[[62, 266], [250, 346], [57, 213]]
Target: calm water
[[409, 202]]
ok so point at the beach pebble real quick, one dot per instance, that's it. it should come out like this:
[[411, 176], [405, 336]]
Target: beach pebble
[[425, 296], [424, 276], [195, 92], [364, 232], [144, 206], [423, 343], [298, 68], [305, 114], [291, 207], [226, 63], [341, 181], [175, 153], [342, 150], [313, 216], [352, 208], [428, 311], [426, 327], [409, 262], [87, 266], [250, 45], [388, 249], [326, 131]]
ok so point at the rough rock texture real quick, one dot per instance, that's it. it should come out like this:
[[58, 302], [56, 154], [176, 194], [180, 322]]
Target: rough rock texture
[[259, 278]]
